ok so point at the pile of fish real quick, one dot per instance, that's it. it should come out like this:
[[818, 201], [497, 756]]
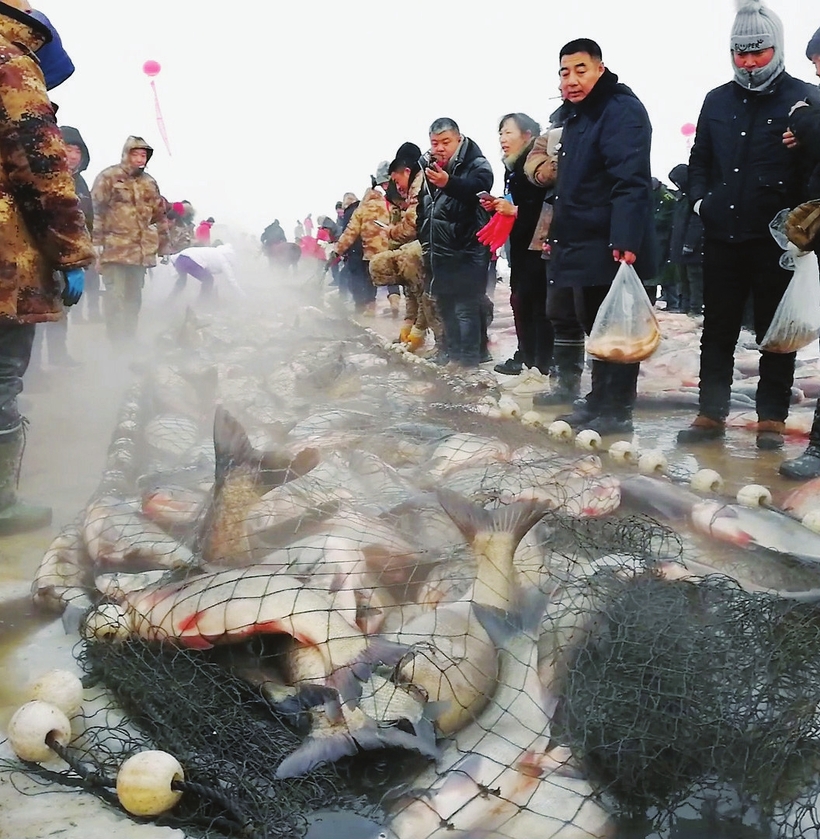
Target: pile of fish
[[403, 558]]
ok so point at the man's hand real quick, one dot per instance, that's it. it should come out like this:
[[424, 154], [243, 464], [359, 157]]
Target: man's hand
[[437, 177], [789, 140], [624, 256], [504, 207]]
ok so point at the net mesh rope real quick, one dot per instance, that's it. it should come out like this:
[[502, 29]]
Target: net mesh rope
[[333, 617]]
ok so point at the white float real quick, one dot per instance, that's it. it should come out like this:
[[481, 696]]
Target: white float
[[60, 688], [533, 419], [106, 622], [707, 480], [560, 430], [624, 452], [144, 783], [653, 462], [588, 440], [509, 407], [754, 495], [31, 725]]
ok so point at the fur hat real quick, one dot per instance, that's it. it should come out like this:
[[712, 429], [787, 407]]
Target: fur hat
[[347, 199], [382, 175], [813, 48], [757, 27]]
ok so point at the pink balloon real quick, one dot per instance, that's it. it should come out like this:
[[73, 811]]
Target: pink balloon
[[688, 129], [151, 68]]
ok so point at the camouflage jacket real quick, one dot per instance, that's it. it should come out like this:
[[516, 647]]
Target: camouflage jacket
[[404, 230], [43, 227], [372, 208], [130, 224]]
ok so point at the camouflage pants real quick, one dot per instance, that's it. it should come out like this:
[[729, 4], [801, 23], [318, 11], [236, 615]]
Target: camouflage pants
[[122, 299], [405, 266]]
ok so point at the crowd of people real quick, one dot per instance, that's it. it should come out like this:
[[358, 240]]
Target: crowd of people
[[63, 241], [578, 200]]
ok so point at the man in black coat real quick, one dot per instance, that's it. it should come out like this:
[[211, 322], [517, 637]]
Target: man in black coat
[[804, 130], [603, 213], [449, 216], [741, 174]]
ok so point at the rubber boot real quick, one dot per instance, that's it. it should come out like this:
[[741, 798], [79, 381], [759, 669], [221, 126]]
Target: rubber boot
[[807, 466], [394, 300], [15, 515], [618, 400], [565, 376], [589, 408]]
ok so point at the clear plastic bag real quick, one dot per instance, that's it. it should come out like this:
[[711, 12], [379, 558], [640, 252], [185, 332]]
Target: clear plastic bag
[[796, 321], [625, 329]]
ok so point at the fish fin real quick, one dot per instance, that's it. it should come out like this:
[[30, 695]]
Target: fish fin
[[525, 617], [347, 679], [279, 468], [371, 737], [316, 751], [517, 518], [307, 696], [470, 518], [231, 446]]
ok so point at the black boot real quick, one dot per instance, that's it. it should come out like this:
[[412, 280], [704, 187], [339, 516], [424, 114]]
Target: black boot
[[15, 515], [808, 464], [512, 366], [618, 401], [589, 408], [565, 376]]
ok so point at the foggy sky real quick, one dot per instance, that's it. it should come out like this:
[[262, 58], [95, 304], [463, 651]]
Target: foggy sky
[[275, 110]]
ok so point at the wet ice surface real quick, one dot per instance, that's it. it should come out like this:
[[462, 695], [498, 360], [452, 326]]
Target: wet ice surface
[[73, 413]]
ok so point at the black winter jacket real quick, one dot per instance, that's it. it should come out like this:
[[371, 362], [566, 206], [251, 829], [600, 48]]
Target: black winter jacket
[[603, 197], [805, 123], [529, 198], [448, 220], [686, 242], [739, 166]]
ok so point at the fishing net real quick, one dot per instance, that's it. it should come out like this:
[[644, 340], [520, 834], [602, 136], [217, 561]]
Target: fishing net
[[263, 498]]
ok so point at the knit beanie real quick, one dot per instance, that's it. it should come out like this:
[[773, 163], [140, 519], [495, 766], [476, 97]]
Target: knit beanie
[[757, 27], [814, 46]]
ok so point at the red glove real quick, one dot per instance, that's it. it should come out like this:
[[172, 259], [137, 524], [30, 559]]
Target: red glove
[[496, 232]]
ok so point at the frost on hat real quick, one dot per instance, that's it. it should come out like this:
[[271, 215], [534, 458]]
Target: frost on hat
[[757, 27]]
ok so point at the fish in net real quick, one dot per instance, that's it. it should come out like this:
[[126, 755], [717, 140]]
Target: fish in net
[[333, 591]]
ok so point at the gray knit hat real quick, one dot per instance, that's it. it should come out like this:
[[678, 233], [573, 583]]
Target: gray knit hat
[[814, 46], [757, 27]]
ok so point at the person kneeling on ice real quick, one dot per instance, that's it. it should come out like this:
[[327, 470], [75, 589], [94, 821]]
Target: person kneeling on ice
[[203, 263], [804, 125]]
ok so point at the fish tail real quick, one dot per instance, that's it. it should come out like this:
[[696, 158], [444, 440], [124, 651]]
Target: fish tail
[[231, 445], [347, 679], [317, 750], [471, 519], [524, 618], [371, 737]]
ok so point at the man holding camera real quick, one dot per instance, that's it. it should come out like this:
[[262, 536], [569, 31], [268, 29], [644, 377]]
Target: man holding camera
[[448, 218]]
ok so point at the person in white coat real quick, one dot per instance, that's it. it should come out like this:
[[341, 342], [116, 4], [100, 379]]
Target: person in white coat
[[204, 264]]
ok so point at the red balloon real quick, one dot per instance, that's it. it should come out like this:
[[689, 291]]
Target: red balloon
[[688, 129], [151, 68]]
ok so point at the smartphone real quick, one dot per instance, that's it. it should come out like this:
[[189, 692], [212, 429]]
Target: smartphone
[[381, 224], [484, 196]]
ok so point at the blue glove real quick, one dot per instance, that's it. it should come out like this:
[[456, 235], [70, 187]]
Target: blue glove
[[74, 284]]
